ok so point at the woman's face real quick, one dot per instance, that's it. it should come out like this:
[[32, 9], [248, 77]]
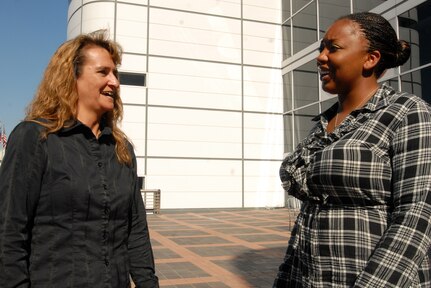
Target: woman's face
[[98, 83], [343, 52]]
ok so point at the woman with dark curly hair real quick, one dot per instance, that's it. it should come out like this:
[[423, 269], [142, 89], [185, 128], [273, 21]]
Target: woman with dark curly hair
[[363, 173], [71, 212]]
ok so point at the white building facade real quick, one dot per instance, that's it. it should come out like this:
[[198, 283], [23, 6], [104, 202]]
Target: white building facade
[[204, 110], [216, 91]]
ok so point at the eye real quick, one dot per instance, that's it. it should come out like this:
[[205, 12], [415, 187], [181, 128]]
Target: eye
[[321, 47], [103, 72], [333, 48], [328, 45]]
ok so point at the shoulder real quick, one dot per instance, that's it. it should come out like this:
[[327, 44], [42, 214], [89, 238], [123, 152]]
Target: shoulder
[[408, 111], [26, 141], [399, 104], [409, 101], [27, 130]]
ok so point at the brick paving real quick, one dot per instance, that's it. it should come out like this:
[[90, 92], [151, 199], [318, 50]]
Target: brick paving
[[219, 249]]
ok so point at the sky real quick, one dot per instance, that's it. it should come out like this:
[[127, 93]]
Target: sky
[[30, 31]]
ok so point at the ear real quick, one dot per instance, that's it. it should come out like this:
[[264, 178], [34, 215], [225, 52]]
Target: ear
[[372, 59]]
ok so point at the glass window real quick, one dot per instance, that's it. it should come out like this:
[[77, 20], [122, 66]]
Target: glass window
[[287, 39], [366, 5], [415, 29], [287, 92], [393, 82], [426, 84], [303, 121], [329, 11], [328, 103], [134, 79], [306, 82], [304, 28], [418, 83], [288, 133], [285, 6], [299, 4], [411, 83]]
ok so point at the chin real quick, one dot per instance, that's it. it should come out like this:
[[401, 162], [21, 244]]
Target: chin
[[108, 109], [327, 89]]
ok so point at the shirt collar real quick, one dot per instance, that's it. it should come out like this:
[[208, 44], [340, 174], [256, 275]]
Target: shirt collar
[[380, 100], [77, 125]]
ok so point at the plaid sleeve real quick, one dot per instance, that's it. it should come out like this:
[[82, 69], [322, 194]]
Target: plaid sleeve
[[404, 245]]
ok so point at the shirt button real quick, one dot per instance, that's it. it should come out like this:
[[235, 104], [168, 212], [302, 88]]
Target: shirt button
[[106, 262], [99, 164], [105, 186]]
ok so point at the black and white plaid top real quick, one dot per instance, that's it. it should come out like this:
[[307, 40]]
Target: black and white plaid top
[[365, 219]]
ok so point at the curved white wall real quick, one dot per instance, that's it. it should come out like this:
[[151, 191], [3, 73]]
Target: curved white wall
[[207, 128]]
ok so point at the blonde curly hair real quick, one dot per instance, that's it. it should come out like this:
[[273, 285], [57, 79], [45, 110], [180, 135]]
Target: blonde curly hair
[[56, 99]]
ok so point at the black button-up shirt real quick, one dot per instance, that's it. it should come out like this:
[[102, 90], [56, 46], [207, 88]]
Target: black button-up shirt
[[70, 214]]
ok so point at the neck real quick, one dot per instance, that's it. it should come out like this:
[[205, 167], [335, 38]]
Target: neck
[[349, 103], [356, 99]]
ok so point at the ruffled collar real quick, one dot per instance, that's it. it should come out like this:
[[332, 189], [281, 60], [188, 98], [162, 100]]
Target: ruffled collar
[[295, 168]]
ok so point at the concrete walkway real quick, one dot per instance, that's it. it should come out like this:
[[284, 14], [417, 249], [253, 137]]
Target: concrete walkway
[[218, 249]]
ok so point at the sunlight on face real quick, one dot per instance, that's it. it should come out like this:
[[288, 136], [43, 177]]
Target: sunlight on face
[[98, 84]]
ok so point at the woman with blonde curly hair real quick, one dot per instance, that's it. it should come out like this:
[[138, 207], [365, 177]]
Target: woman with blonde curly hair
[[71, 213]]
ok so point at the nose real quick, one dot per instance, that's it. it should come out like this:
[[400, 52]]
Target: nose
[[113, 80], [322, 57]]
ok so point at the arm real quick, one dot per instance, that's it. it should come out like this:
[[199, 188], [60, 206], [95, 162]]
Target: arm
[[404, 245], [20, 181], [284, 274], [140, 252]]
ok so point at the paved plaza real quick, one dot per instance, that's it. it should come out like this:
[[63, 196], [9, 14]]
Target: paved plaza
[[218, 249]]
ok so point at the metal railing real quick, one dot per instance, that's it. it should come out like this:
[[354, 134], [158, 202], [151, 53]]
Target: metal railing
[[151, 199]]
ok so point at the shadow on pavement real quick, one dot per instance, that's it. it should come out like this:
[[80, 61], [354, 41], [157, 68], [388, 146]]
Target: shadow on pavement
[[257, 267]]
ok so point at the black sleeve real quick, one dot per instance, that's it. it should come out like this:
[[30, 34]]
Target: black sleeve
[[21, 175], [140, 252]]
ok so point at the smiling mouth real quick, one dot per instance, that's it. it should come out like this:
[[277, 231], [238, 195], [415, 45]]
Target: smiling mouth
[[108, 94], [323, 73]]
